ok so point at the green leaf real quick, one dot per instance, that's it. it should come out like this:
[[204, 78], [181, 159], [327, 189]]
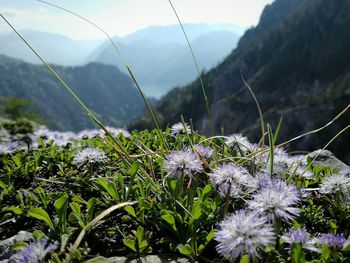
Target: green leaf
[[90, 209], [77, 213], [17, 246], [297, 254], [244, 259], [130, 244], [112, 190], [170, 220], [185, 249], [41, 214], [3, 185], [38, 235], [206, 191], [97, 260], [197, 210], [346, 248], [130, 210], [61, 205], [134, 168]]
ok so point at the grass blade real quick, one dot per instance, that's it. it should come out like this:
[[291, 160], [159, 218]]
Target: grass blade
[[197, 68]]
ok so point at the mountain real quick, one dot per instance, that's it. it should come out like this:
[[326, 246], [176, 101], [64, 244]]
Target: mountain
[[55, 48], [160, 57], [297, 61], [105, 90]]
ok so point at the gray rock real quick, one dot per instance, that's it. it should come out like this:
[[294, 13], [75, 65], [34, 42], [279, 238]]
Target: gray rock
[[149, 259], [327, 159], [7, 244]]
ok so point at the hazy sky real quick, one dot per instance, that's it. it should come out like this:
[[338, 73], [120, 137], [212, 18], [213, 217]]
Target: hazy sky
[[119, 17]]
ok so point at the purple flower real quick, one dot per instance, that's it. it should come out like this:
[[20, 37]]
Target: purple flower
[[300, 236], [243, 232], [8, 147], [89, 155], [277, 200], [183, 162], [206, 152], [178, 128], [335, 242], [34, 252], [231, 177]]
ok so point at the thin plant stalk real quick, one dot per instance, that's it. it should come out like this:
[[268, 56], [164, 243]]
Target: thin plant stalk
[[197, 68], [262, 122], [128, 68]]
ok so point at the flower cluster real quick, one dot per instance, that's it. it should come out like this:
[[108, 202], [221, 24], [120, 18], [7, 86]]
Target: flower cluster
[[89, 155], [181, 163], [244, 232], [35, 252]]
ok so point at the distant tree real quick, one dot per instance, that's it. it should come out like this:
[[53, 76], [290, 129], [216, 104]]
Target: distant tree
[[16, 108]]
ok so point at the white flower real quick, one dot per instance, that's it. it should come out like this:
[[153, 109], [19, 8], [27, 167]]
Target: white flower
[[89, 155], [115, 132], [335, 183], [183, 162], [238, 140], [178, 128], [277, 200], [243, 232], [234, 178], [8, 147]]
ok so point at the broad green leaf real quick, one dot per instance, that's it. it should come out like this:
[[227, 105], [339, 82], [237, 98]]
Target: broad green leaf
[[185, 249], [206, 191], [77, 213], [197, 210], [130, 210], [112, 190], [130, 244], [170, 220], [97, 260], [244, 259], [134, 168], [297, 254], [61, 210], [90, 209], [38, 235], [41, 214]]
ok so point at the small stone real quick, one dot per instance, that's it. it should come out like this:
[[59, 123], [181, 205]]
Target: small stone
[[327, 159], [7, 244]]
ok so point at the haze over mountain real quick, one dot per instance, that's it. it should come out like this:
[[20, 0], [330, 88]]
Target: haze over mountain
[[297, 61], [55, 48], [160, 57], [106, 91]]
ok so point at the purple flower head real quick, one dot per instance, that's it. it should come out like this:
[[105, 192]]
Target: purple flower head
[[276, 200], [243, 232], [89, 155], [239, 141], [335, 242], [234, 178], [115, 132], [263, 180], [8, 147], [34, 252], [300, 236], [335, 183], [206, 152], [184, 162], [178, 128]]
